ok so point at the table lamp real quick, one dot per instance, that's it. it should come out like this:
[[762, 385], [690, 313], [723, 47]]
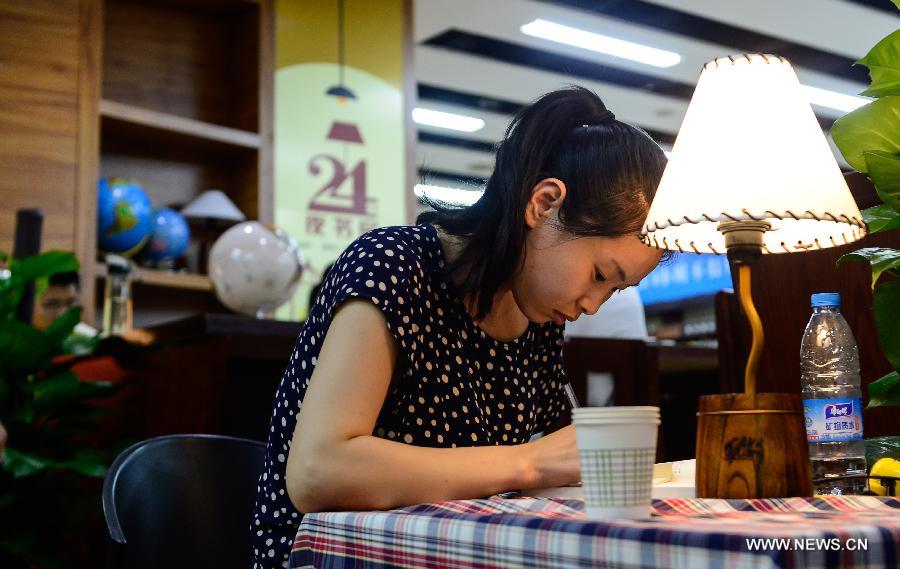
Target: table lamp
[[213, 204], [750, 174], [212, 212]]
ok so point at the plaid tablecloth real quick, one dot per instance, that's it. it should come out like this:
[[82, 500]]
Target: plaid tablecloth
[[508, 530]]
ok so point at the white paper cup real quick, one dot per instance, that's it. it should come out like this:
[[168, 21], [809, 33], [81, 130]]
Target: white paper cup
[[617, 449]]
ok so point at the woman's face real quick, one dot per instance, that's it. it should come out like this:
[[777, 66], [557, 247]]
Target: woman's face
[[563, 277]]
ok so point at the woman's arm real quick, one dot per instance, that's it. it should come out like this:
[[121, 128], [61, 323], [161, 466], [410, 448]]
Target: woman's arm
[[335, 463]]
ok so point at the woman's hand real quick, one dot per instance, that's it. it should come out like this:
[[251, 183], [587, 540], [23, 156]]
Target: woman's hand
[[554, 459]]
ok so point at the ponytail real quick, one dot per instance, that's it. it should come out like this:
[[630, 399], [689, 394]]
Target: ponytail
[[567, 134]]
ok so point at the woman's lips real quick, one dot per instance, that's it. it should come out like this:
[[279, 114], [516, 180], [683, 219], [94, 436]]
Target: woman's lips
[[558, 318]]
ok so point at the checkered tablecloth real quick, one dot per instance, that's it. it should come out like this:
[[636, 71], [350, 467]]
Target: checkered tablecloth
[[508, 530]]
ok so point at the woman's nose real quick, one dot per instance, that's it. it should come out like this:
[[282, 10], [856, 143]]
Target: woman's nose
[[590, 304]]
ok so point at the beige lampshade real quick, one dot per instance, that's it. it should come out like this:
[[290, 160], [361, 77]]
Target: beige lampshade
[[213, 204], [750, 148]]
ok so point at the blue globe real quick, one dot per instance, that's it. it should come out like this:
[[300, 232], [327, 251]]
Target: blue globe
[[169, 236], [123, 216]]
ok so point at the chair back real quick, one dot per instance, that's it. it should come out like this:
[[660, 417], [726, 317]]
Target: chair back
[[182, 501]]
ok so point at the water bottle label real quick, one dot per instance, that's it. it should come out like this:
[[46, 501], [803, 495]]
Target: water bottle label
[[833, 420]]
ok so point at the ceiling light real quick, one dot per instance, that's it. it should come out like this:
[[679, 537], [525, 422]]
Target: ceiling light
[[833, 99], [447, 120], [600, 43], [452, 196]]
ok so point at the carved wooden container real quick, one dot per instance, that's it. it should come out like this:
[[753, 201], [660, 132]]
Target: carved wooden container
[[752, 446]]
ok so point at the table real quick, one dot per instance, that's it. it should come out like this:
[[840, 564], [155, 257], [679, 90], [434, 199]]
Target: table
[[508, 530]]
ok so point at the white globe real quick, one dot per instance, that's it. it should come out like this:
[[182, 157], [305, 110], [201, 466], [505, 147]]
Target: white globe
[[255, 268]]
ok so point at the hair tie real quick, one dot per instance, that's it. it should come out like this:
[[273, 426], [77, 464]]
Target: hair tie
[[605, 116]]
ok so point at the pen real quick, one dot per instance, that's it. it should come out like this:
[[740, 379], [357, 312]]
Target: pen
[[570, 393]]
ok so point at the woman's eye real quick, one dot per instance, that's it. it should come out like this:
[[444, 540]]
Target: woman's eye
[[598, 276]]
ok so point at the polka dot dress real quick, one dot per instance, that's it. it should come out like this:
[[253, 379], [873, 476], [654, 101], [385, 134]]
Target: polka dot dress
[[458, 386]]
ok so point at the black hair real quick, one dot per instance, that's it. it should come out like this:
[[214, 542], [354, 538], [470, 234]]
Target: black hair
[[611, 171], [65, 279]]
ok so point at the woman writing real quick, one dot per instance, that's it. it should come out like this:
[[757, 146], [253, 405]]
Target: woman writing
[[433, 353]]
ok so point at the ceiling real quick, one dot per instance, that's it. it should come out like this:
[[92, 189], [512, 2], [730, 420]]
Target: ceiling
[[472, 59]]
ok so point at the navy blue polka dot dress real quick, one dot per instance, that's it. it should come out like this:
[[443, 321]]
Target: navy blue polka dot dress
[[458, 386]]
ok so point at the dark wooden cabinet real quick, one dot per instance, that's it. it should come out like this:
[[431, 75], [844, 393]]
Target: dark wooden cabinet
[[212, 373]]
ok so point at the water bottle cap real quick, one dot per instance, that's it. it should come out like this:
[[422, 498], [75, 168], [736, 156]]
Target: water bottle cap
[[826, 299]]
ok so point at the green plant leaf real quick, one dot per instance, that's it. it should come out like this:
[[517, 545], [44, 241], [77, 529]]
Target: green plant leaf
[[886, 305], [55, 389], [881, 218], [873, 127], [64, 388], [21, 464], [43, 265], [881, 447], [62, 327], [883, 62], [881, 258], [885, 391], [87, 462], [884, 171], [10, 296], [23, 347], [80, 345]]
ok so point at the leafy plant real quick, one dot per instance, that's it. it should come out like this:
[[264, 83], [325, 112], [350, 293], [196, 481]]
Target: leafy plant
[[43, 406], [869, 139]]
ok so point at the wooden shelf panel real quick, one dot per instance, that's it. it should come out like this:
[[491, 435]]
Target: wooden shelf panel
[[161, 122], [152, 277]]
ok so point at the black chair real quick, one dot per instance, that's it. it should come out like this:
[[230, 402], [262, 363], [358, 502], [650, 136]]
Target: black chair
[[182, 501]]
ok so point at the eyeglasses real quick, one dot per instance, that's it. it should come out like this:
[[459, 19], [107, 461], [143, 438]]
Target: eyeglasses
[[58, 305]]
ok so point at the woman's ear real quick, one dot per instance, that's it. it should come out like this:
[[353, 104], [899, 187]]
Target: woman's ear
[[546, 197]]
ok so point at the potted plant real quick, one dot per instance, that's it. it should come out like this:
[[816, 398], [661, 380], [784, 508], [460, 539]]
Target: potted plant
[[869, 139], [45, 408]]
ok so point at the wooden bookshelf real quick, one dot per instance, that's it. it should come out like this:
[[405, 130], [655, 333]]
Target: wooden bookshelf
[[136, 122], [164, 279], [184, 105]]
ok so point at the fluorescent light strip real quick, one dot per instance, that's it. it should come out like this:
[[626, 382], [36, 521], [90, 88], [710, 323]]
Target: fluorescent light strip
[[453, 196], [447, 120], [602, 44], [833, 99]]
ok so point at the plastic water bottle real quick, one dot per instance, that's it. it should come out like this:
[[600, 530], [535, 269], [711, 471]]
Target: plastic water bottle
[[829, 367]]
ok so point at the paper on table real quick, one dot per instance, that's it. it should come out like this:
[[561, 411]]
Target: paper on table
[[670, 480]]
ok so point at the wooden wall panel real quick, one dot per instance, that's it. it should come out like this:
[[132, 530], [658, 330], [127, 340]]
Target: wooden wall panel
[[88, 147], [39, 60], [49, 85]]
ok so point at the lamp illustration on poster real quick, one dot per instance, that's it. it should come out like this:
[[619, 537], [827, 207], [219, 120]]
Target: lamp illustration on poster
[[340, 90]]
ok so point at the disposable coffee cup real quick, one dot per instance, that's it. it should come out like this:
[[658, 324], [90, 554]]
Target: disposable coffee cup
[[616, 449]]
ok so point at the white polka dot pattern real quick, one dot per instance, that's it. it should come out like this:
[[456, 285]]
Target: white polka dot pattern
[[457, 386]]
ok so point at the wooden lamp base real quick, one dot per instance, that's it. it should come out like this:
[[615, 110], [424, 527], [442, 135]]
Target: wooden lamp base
[[752, 446]]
